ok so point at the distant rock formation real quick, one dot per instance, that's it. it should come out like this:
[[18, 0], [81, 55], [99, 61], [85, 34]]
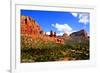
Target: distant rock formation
[[29, 27], [79, 33], [82, 34]]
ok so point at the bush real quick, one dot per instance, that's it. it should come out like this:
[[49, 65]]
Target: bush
[[39, 51]]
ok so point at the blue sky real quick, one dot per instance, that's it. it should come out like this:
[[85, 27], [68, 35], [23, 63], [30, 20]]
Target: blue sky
[[59, 22]]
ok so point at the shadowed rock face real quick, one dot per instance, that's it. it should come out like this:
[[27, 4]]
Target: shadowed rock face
[[81, 33]]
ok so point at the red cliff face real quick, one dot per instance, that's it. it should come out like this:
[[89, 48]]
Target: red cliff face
[[29, 27]]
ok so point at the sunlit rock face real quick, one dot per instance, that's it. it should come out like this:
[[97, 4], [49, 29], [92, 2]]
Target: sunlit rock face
[[29, 27]]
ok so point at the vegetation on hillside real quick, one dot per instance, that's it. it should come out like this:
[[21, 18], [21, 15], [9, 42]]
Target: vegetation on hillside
[[39, 51]]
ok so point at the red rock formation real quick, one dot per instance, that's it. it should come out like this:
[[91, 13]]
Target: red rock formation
[[30, 27]]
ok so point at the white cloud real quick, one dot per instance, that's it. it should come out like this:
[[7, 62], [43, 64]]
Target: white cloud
[[83, 18], [60, 34], [74, 14], [65, 28], [48, 33]]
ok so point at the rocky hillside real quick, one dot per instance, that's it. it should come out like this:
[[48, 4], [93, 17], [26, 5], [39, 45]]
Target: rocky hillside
[[29, 27], [82, 34]]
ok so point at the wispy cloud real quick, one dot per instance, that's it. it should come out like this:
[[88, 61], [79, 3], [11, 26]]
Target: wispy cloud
[[65, 28], [74, 14], [48, 33], [82, 17], [60, 34]]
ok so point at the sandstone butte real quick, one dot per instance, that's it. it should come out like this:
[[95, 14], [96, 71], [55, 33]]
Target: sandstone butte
[[29, 27]]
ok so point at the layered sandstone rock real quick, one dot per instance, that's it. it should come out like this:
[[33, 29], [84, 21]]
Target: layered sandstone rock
[[29, 27]]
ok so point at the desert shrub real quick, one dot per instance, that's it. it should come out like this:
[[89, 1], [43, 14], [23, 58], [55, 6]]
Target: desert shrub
[[26, 42], [38, 51]]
